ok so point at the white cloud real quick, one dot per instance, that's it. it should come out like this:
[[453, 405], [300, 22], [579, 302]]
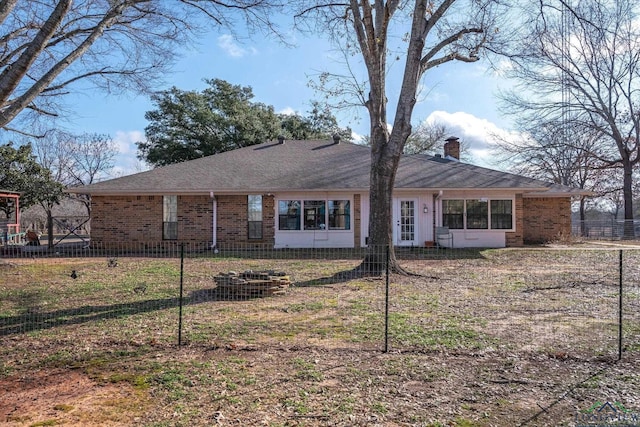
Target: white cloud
[[358, 138], [287, 111], [480, 135], [126, 140], [127, 162], [227, 43]]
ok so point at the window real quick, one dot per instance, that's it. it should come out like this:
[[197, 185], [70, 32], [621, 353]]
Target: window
[[339, 215], [501, 215], [289, 215], [453, 214], [314, 215], [477, 214], [170, 217], [254, 215]]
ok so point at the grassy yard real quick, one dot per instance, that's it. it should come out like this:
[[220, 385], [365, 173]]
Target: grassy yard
[[475, 338]]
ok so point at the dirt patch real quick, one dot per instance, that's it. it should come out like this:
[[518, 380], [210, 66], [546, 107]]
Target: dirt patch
[[53, 397]]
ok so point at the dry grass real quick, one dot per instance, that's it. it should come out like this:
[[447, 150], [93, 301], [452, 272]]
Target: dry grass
[[480, 338]]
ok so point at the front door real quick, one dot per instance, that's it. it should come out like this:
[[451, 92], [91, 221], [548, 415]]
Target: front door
[[404, 232]]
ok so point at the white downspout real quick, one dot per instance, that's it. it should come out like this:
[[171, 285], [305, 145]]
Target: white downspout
[[436, 217], [214, 210]]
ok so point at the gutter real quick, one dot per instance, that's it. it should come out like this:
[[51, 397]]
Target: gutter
[[214, 224]]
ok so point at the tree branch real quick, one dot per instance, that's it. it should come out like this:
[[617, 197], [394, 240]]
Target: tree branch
[[11, 75], [427, 63]]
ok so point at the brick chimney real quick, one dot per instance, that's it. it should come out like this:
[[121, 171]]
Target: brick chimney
[[452, 148]]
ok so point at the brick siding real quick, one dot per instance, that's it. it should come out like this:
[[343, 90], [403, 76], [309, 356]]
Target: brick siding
[[516, 238], [232, 227], [126, 219], [194, 219], [134, 220], [546, 219]]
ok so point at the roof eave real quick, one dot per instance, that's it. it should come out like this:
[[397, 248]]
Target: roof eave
[[157, 192]]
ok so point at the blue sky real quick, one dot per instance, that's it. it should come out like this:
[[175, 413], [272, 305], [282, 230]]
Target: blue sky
[[458, 95]]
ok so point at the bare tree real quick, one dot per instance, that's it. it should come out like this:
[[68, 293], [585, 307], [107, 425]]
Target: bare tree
[[590, 54], [429, 34], [558, 153], [90, 159], [72, 160], [51, 151], [425, 138], [48, 47]]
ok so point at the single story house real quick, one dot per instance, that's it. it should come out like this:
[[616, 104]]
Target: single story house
[[315, 194]]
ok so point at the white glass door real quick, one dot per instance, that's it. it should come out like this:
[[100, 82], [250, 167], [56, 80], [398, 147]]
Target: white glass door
[[405, 232]]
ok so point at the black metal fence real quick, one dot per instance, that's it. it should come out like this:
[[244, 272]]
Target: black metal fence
[[564, 303]]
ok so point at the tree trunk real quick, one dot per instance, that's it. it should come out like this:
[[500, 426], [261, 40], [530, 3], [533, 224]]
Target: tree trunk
[[380, 212], [384, 164], [49, 229], [371, 23], [386, 150]]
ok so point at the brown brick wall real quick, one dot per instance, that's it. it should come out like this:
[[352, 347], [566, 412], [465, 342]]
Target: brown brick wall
[[130, 221], [123, 219], [232, 227], [516, 238], [268, 220], [194, 219], [546, 219], [232, 219]]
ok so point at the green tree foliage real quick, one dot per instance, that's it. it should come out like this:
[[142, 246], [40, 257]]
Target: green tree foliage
[[319, 124], [188, 125], [19, 171]]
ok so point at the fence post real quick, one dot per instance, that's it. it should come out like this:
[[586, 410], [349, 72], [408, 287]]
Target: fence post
[[386, 305], [181, 293], [620, 299]]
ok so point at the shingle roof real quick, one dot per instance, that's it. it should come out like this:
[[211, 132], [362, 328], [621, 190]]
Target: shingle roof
[[305, 166]]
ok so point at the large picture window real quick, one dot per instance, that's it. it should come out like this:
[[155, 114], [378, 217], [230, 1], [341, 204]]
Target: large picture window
[[314, 215], [477, 214], [170, 217], [254, 215]]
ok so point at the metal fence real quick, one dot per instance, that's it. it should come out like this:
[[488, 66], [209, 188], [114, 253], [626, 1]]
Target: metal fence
[[606, 229], [527, 337], [573, 303]]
